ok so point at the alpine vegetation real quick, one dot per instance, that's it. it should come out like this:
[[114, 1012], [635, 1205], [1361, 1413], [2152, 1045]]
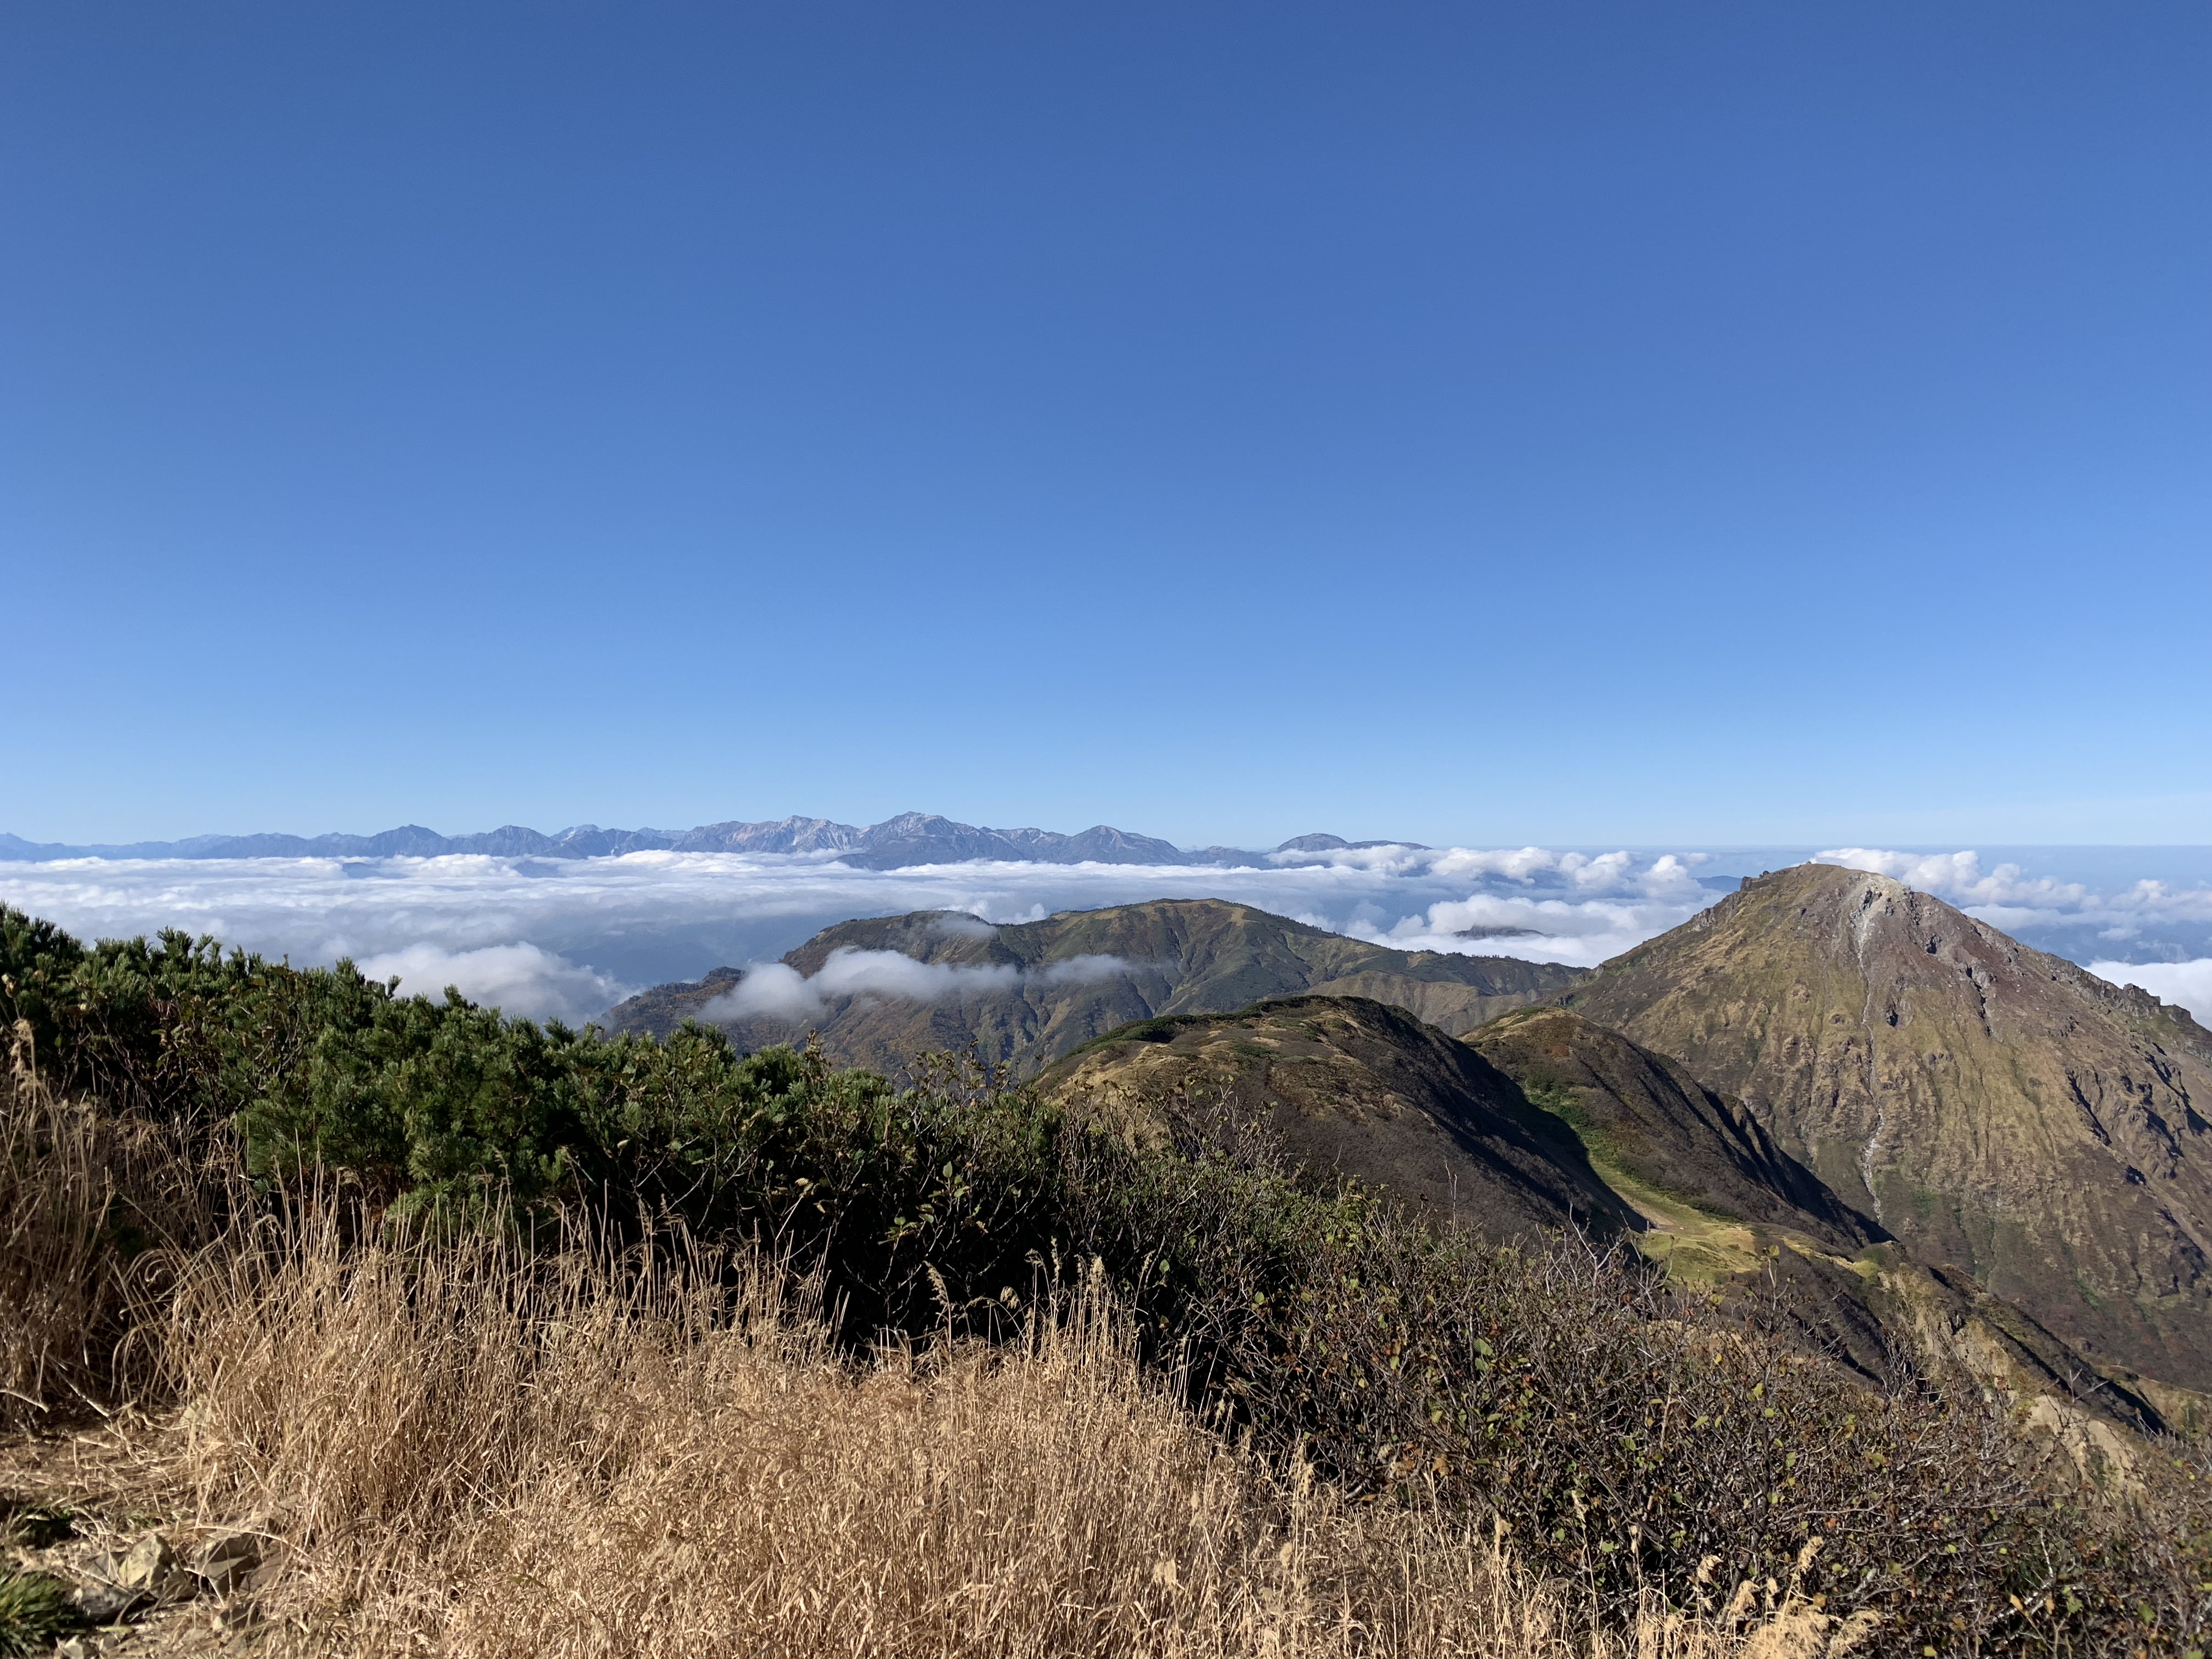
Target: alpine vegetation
[[1304, 1326]]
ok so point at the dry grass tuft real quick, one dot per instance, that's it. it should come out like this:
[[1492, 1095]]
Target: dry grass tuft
[[491, 1455], [469, 1446], [89, 1202]]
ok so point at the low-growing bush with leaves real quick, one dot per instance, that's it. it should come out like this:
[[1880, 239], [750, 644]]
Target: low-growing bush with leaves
[[426, 1107]]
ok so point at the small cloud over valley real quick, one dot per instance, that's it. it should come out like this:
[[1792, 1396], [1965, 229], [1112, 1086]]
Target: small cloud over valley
[[520, 978], [776, 991]]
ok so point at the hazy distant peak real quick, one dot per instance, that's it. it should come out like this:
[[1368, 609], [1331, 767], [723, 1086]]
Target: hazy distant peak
[[1338, 844], [900, 841], [907, 839]]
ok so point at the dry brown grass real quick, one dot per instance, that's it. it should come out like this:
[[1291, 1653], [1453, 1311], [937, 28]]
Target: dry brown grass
[[91, 1205], [474, 1454], [471, 1448]]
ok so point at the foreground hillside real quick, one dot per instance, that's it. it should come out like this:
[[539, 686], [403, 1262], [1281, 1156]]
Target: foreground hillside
[[1989, 1105], [1027, 993], [481, 1361], [1353, 1088], [1542, 1121], [392, 1450]]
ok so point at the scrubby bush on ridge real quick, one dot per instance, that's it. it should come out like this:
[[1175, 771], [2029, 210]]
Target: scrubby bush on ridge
[[1633, 1444], [429, 1107], [1633, 1439]]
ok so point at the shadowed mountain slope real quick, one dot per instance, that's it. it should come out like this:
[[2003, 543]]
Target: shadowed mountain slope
[[1352, 1087], [1646, 1119], [1989, 1105], [1724, 1206], [1029, 992]]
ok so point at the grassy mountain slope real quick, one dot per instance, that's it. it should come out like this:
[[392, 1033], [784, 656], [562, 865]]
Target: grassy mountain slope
[[1078, 975], [1988, 1104], [1649, 1122], [1353, 1087], [1723, 1205], [1485, 1132]]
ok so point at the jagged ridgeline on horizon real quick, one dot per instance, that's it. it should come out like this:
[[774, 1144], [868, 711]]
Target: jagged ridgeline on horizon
[[883, 990], [909, 839]]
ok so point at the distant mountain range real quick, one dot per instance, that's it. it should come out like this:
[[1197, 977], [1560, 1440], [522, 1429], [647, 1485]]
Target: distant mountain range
[[1026, 993], [911, 838]]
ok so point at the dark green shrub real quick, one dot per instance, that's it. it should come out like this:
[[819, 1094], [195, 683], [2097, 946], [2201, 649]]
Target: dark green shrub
[[35, 1613], [918, 1200]]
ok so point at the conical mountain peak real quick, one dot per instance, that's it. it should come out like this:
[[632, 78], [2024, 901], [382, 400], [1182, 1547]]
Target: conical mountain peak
[[1993, 1106]]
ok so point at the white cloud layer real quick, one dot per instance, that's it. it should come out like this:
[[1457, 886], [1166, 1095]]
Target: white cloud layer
[[567, 937], [1585, 908], [780, 992], [1958, 878], [2007, 896], [520, 978]]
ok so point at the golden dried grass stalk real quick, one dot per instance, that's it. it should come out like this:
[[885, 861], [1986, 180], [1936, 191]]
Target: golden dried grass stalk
[[475, 1447], [91, 1203], [479, 1452]]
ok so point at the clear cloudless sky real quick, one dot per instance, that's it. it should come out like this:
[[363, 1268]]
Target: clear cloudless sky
[[1628, 422]]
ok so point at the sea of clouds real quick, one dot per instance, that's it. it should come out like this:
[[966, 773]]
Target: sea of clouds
[[567, 938]]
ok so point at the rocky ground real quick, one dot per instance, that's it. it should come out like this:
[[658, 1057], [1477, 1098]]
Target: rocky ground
[[99, 1553]]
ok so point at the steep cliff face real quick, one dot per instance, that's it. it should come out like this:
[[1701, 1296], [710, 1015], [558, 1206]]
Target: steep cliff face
[[1988, 1104]]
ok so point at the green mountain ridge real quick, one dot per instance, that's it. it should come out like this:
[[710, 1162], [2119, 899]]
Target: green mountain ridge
[[1722, 1204], [1353, 1087], [1647, 1118], [1544, 1120], [1055, 991]]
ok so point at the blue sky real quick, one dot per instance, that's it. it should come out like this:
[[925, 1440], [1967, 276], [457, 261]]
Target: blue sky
[[1626, 423]]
